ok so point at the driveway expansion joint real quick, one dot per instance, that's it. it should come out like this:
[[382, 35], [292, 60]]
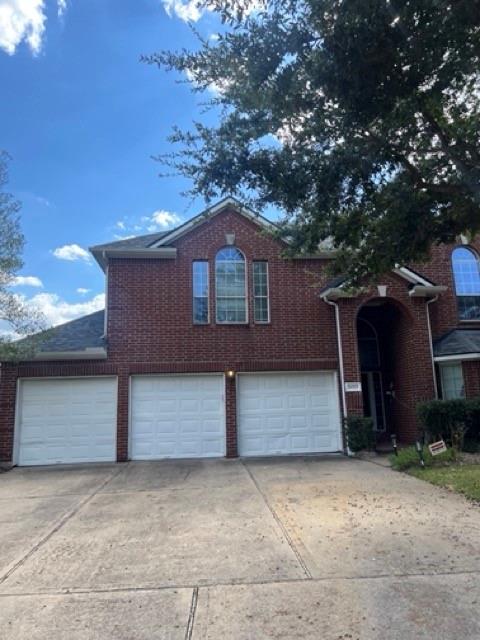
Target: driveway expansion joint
[[280, 524], [60, 523], [191, 617]]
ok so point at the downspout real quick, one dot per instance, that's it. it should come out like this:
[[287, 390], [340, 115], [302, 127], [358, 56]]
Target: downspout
[[340, 354], [430, 339]]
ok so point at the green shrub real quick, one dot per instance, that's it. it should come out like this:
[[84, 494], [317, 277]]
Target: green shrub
[[408, 458], [360, 433], [445, 419], [473, 419]]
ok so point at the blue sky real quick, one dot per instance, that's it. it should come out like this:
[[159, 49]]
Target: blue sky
[[81, 118]]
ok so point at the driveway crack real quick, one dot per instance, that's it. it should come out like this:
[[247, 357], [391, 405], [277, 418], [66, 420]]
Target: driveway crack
[[282, 527], [60, 523]]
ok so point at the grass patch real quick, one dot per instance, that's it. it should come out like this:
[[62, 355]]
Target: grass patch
[[461, 478], [408, 458]]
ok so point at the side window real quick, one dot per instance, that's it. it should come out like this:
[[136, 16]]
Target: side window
[[200, 291], [452, 381], [230, 286], [467, 283], [260, 292]]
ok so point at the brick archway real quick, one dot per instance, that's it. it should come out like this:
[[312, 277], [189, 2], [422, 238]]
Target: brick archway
[[402, 377]]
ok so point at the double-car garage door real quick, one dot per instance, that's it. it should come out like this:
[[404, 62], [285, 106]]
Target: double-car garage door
[[177, 416]]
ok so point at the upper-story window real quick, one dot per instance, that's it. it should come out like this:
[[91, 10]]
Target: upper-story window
[[466, 274], [260, 291], [230, 286], [200, 291]]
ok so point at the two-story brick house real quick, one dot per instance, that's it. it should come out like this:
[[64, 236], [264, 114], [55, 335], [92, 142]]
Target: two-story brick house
[[213, 343]]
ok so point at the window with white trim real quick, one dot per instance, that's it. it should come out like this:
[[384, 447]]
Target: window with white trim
[[230, 286], [452, 381], [260, 292], [466, 274], [200, 291]]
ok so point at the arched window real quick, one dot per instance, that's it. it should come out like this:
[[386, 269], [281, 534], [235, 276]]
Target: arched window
[[467, 283], [230, 286], [367, 346]]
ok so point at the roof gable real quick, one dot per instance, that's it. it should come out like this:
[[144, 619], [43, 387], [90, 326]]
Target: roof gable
[[206, 215]]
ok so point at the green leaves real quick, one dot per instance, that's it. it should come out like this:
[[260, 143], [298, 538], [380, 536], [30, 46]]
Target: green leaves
[[15, 316], [360, 120]]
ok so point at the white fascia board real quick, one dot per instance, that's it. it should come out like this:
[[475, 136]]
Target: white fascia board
[[423, 291], [335, 293], [164, 253], [457, 357], [212, 211], [91, 353], [411, 276]]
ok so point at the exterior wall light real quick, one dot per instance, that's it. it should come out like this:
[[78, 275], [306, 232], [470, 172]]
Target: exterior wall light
[[230, 374]]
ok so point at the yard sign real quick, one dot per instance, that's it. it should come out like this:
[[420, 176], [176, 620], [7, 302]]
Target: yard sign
[[437, 447]]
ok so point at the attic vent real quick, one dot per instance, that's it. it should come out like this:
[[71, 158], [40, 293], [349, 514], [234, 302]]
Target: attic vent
[[230, 238]]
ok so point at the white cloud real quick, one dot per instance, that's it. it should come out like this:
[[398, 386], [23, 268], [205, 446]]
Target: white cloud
[[72, 253], [57, 311], [24, 20], [187, 11], [82, 291], [61, 7], [21, 20], [159, 220], [27, 281], [164, 219]]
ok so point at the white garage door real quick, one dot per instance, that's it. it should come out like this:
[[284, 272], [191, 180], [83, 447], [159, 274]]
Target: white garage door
[[177, 417], [282, 413], [67, 421]]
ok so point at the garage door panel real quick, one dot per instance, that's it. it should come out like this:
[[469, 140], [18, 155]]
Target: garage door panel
[[66, 421], [186, 415], [282, 413]]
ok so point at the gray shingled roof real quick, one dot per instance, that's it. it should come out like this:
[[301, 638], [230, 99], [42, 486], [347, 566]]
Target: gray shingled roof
[[332, 284], [76, 335], [137, 242], [456, 342]]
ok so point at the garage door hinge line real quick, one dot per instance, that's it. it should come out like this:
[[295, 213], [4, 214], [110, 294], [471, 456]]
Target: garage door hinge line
[[191, 617], [59, 525], [286, 535]]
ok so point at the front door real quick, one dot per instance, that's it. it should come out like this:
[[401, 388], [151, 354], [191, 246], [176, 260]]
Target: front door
[[373, 401]]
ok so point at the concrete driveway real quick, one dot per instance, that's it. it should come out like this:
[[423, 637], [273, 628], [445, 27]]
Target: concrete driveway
[[320, 548]]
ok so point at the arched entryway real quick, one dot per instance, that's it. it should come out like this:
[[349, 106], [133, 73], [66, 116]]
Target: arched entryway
[[384, 333]]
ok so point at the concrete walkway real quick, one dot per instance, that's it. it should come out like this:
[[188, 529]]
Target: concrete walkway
[[318, 548]]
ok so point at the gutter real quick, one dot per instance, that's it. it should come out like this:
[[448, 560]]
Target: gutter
[[430, 342], [91, 353], [161, 253], [423, 291], [457, 357]]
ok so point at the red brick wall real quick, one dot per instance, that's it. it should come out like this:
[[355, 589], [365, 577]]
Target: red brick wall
[[444, 314], [471, 378], [150, 328], [413, 374]]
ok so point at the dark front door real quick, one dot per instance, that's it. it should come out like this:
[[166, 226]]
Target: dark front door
[[373, 399]]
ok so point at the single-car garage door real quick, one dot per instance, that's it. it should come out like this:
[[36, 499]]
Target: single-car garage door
[[62, 421], [285, 413], [177, 417]]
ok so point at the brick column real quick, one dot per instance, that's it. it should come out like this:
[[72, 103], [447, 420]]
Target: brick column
[[231, 417], [8, 394], [351, 363], [471, 377], [122, 414]]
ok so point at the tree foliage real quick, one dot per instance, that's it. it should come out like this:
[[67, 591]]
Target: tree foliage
[[357, 118], [16, 318]]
